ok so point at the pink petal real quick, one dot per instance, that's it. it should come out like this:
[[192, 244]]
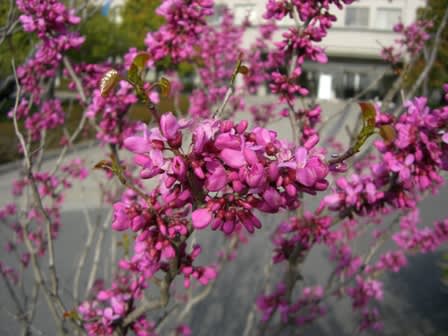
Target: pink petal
[[445, 138], [301, 157], [169, 125], [217, 180], [201, 218], [233, 158], [311, 142], [136, 145], [250, 156], [306, 176]]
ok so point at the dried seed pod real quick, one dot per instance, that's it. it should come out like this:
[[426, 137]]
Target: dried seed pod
[[108, 82]]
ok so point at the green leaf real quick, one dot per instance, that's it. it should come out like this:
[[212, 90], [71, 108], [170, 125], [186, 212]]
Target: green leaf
[[165, 86], [140, 60], [72, 314], [104, 165], [134, 76], [368, 127]]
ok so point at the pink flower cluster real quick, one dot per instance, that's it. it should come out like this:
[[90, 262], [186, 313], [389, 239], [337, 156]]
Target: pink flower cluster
[[304, 310], [50, 21], [184, 22], [51, 189], [228, 169], [217, 51], [110, 306], [235, 171], [114, 125], [364, 291], [159, 229], [414, 158], [44, 17], [411, 41], [412, 238], [50, 116], [299, 44], [303, 232]]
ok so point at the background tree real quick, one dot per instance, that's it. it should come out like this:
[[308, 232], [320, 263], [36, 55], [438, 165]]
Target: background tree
[[433, 11], [105, 38], [139, 18]]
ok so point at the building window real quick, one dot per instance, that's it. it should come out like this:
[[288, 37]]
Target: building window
[[243, 11], [386, 18], [357, 17]]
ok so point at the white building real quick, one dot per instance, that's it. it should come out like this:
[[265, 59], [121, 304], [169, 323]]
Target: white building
[[353, 44]]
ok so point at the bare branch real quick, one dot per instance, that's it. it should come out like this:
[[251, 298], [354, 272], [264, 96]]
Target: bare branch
[[97, 253], [91, 232], [83, 120]]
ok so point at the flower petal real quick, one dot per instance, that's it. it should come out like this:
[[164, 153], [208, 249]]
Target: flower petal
[[201, 218], [136, 145], [233, 158]]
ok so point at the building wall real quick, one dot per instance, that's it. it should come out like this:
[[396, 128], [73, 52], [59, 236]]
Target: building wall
[[364, 40]]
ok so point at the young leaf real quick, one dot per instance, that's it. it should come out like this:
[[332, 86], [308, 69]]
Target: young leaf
[[134, 76], [72, 314], [140, 60], [165, 86], [104, 165], [368, 127], [368, 113]]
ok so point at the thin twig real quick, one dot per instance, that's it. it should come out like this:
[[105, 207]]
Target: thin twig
[[97, 254], [91, 232], [149, 305], [82, 122], [51, 296]]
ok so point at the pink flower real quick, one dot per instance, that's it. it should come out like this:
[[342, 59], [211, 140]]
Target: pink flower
[[169, 126], [445, 138], [233, 158], [304, 175], [137, 144], [217, 178], [121, 219], [178, 167]]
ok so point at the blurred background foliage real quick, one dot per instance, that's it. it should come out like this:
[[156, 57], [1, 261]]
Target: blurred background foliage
[[433, 11]]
